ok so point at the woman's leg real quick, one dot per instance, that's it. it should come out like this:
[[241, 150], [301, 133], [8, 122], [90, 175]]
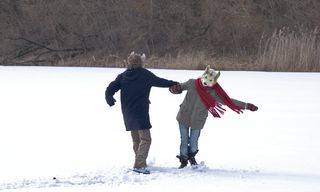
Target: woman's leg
[[193, 147], [184, 140], [194, 137]]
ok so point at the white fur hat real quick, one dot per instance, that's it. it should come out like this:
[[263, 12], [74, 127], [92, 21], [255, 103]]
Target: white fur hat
[[209, 77], [135, 60]]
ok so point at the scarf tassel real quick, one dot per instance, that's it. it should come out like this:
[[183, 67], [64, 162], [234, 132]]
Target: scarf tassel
[[213, 106]]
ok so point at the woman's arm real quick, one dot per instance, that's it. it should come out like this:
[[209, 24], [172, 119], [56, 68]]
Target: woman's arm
[[240, 104], [186, 85]]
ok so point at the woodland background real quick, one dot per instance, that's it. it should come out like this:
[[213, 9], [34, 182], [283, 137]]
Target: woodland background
[[267, 35]]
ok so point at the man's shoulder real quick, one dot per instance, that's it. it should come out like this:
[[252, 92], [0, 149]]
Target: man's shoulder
[[119, 76], [144, 70], [146, 73]]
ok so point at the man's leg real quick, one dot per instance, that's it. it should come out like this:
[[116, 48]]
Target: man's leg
[[143, 150], [135, 140]]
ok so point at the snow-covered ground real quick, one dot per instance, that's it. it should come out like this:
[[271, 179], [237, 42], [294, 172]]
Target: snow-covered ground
[[54, 122]]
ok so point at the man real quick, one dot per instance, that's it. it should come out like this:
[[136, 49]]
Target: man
[[135, 84]]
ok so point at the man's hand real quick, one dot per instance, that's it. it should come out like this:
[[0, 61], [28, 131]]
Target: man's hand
[[110, 101], [175, 89], [251, 107]]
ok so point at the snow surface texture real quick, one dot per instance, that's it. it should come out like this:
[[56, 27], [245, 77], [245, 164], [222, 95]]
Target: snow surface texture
[[58, 134]]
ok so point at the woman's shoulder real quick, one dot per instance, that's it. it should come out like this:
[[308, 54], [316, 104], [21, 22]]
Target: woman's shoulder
[[188, 84], [191, 81]]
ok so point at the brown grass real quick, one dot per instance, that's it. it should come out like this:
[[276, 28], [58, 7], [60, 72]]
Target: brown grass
[[182, 34], [284, 50], [189, 61], [199, 60], [291, 51]]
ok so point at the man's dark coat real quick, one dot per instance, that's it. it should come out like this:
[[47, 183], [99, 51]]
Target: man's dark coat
[[135, 85]]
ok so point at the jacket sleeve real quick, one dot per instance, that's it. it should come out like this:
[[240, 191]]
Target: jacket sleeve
[[160, 82], [186, 85], [113, 87], [241, 104]]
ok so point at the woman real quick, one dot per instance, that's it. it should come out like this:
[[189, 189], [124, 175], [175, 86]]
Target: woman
[[203, 94]]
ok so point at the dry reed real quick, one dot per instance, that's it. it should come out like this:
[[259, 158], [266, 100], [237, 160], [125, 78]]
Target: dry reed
[[291, 51]]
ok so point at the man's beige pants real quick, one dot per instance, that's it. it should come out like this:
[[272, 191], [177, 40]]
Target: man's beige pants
[[141, 145]]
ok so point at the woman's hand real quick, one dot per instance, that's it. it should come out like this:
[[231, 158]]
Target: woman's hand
[[251, 107]]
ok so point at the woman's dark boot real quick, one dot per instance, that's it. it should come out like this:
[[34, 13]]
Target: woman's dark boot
[[183, 161], [192, 158]]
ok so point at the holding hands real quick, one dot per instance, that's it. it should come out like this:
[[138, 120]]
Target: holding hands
[[175, 89]]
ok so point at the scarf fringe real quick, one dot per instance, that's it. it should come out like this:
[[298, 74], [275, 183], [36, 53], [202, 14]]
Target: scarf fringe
[[212, 105]]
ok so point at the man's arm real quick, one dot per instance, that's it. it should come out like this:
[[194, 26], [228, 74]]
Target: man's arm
[[113, 87], [160, 82]]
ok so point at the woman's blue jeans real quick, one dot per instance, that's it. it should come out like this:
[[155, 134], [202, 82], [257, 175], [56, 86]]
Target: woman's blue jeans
[[189, 140]]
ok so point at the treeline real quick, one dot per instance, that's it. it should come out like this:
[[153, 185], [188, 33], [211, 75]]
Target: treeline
[[103, 32]]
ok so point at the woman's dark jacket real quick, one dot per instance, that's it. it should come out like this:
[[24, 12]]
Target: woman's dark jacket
[[135, 85]]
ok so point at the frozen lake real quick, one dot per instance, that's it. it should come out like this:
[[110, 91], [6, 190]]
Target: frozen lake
[[56, 123]]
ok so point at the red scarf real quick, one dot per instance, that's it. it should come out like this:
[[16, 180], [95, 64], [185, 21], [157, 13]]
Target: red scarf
[[211, 104]]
